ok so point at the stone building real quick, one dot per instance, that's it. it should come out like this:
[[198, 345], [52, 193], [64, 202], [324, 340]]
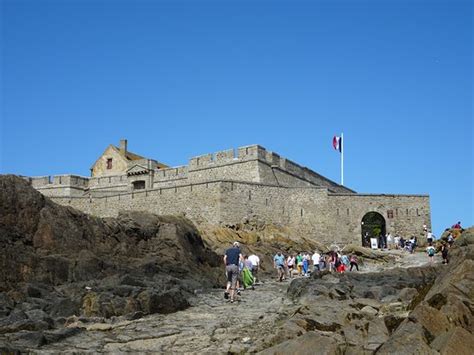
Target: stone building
[[118, 160], [237, 186]]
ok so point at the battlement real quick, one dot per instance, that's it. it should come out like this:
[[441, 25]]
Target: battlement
[[62, 180], [170, 173], [272, 159], [228, 156], [252, 163], [107, 180]]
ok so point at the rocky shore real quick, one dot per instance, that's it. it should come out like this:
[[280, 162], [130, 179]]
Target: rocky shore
[[145, 283]]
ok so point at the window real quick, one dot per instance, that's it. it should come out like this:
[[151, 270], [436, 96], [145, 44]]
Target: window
[[139, 185], [390, 213], [109, 163]]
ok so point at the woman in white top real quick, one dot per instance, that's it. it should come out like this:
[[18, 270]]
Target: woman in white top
[[290, 262]]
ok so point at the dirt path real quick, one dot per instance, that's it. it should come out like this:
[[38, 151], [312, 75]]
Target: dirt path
[[211, 325]]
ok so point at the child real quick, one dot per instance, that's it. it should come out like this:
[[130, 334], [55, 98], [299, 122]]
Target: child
[[354, 262]]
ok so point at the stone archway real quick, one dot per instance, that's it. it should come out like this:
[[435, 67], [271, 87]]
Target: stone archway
[[373, 223]]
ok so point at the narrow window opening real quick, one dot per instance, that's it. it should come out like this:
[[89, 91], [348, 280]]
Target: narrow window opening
[[109, 163], [139, 185]]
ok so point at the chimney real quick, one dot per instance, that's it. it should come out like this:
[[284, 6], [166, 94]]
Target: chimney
[[123, 147]]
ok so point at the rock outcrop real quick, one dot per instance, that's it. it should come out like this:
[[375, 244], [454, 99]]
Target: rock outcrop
[[57, 262], [425, 309]]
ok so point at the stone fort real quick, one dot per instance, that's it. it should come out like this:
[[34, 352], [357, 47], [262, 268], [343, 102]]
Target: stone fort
[[236, 186]]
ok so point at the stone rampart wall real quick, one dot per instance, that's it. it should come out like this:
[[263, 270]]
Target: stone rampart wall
[[307, 211], [60, 185], [300, 209], [198, 202], [251, 163], [108, 181], [56, 180], [408, 213]]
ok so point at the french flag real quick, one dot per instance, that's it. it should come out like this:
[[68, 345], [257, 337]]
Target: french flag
[[337, 143]]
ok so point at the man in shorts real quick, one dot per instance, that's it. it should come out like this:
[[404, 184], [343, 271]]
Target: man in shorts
[[232, 258], [279, 264]]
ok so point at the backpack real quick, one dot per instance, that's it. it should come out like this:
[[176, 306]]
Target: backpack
[[431, 252]]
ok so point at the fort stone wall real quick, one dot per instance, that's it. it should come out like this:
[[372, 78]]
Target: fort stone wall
[[235, 186], [250, 164], [60, 185], [200, 202], [308, 212], [404, 215], [301, 209]]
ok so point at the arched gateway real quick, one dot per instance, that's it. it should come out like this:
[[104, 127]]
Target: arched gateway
[[373, 224]]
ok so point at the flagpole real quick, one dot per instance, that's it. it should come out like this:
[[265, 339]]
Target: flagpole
[[342, 159]]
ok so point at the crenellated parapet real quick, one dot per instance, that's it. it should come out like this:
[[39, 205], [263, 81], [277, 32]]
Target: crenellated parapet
[[60, 180], [252, 163]]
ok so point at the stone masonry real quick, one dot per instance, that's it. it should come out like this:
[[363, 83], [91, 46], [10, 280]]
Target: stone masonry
[[239, 186]]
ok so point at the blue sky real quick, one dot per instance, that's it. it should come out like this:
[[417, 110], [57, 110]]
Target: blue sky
[[185, 78]]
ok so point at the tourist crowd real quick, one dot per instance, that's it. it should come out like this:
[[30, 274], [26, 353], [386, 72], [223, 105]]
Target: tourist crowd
[[302, 264], [242, 270]]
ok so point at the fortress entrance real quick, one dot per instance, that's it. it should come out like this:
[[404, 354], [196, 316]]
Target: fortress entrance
[[372, 225]]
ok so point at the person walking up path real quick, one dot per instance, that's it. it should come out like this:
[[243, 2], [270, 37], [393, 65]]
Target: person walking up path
[[255, 260], [315, 258], [354, 262], [290, 262], [444, 253], [279, 264], [232, 258], [430, 250], [299, 263]]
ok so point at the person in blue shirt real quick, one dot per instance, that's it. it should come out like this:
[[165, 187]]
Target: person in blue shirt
[[279, 264]]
